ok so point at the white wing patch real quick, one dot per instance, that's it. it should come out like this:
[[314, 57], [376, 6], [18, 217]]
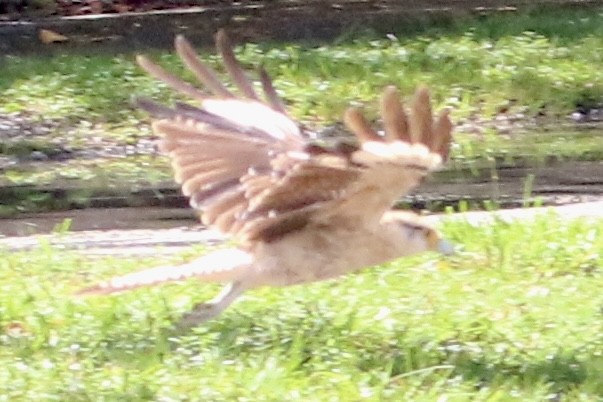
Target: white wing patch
[[253, 114]]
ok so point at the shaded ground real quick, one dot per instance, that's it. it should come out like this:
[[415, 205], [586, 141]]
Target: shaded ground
[[18, 10], [29, 137], [560, 184], [25, 136], [247, 20]]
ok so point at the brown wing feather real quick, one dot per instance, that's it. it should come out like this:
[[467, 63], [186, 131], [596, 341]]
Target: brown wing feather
[[395, 122], [395, 163], [202, 72], [247, 166], [232, 66], [421, 123], [304, 186]]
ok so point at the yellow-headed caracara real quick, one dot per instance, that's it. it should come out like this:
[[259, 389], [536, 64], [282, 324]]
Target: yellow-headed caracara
[[301, 212]]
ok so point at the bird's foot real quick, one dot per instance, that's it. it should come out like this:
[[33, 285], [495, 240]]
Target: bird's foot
[[201, 313]]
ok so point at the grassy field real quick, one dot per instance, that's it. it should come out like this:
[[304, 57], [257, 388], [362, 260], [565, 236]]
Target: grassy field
[[542, 64], [540, 60], [516, 315]]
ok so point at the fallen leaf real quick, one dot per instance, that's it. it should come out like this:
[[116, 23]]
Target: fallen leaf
[[96, 6], [122, 8], [47, 37]]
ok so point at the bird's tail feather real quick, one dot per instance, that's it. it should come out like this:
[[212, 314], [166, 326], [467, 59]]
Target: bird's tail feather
[[219, 266]]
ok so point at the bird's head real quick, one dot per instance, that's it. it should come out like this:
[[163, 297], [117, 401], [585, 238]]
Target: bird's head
[[413, 236]]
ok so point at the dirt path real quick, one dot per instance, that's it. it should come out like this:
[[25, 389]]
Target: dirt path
[[571, 211], [154, 242]]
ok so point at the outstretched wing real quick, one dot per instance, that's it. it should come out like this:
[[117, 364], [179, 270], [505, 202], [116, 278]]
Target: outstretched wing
[[251, 171]]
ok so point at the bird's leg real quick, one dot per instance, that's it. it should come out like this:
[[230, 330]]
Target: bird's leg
[[205, 311]]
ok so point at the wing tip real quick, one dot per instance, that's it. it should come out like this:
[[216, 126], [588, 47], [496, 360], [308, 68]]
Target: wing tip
[[355, 121], [423, 91], [434, 133]]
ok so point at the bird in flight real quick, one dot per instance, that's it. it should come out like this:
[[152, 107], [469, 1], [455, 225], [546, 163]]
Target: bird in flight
[[300, 211]]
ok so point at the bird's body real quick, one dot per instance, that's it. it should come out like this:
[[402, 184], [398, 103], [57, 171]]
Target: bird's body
[[325, 252], [302, 212]]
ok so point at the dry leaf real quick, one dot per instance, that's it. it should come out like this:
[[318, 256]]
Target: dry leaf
[[96, 6], [47, 36]]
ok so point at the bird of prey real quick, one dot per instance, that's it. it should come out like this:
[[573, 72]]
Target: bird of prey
[[300, 211]]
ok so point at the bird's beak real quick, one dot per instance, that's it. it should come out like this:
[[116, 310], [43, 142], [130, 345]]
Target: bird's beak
[[436, 243], [445, 247]]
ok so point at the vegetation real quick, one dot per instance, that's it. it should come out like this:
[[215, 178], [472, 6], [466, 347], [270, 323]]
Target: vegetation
[[514, 316], [540, 65], [545, 60]]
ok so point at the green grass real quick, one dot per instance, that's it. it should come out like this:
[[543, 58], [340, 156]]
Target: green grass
[[541, 61], [516, 315], [137, 170]]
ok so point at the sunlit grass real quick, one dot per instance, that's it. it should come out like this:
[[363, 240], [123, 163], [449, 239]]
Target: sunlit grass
[[543, 62], [538, 60], [515, 315]]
